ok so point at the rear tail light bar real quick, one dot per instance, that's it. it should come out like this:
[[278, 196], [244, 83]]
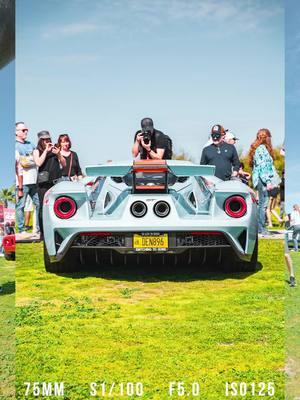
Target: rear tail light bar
[[101, 234], [150, 166]]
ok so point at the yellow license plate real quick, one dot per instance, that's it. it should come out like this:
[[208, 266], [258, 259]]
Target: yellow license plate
[[150, 241]]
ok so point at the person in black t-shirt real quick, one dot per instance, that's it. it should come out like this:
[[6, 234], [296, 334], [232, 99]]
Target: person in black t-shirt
[[72, 169], [221, 154], [49, 160], [149, 142]]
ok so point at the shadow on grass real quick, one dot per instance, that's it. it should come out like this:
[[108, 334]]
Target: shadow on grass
[[154, 273], [8, 288]]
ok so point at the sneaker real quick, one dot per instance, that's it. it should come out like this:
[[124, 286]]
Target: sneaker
[[36, 236], [27, 228], [22, 235], [292, 281], [266, 233]]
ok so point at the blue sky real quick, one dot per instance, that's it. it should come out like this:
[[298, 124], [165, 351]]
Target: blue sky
[[292, 103], [95, 68], [7, 125]]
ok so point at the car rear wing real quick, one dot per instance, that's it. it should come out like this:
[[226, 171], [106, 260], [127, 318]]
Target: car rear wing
[[178, 168]]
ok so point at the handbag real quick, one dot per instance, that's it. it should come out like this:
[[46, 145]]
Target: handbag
[[275, 178], [43, 177]]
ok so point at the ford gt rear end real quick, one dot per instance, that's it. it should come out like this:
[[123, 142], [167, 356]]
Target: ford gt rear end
[[166, 212]]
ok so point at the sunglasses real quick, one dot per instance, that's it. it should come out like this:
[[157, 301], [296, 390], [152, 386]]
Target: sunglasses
[[23, 130]]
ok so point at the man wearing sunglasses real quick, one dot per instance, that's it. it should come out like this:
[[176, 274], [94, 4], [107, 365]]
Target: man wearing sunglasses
[[26, 171], [221, 154]]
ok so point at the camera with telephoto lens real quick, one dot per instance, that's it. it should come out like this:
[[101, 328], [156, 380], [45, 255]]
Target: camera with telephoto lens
[[146, 136]]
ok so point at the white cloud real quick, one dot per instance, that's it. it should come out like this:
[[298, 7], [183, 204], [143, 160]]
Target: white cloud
[[247, 14], [70, 29], [143, 14]]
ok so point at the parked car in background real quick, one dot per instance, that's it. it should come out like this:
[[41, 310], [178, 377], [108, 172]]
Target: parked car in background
[[9, 246]]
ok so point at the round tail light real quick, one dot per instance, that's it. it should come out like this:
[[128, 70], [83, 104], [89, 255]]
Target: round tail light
[[236, 206], [64, 207], [161, 209], [138, 209]]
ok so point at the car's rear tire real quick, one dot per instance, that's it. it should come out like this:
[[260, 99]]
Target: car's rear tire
[[251, 265], [70, 263], [231, 264]]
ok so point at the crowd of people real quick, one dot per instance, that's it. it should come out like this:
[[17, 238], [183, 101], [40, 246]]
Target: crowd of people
[[221, 152], [39, 167]]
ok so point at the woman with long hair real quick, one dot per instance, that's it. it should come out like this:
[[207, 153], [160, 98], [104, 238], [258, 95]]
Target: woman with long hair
[[261, 159], [72, 169], [49, 161]]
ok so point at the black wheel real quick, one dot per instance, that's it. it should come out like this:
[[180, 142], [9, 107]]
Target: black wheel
[[70, 263], [231, 264], [252, 264], [10, 256]]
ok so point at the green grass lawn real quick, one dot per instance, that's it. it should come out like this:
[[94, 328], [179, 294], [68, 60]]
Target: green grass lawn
[[293, 334], [7, 329], [151, 327]]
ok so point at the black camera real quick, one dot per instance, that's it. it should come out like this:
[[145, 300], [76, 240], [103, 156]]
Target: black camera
[[146, 136]]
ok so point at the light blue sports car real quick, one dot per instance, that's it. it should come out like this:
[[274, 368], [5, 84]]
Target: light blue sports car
[[172, 212]]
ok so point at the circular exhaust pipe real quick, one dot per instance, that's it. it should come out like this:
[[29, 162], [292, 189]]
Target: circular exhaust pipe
[[138, 209], [161, 209]]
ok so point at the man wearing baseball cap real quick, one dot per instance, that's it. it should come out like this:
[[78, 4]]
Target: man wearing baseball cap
[[221, 154], [150, 143]]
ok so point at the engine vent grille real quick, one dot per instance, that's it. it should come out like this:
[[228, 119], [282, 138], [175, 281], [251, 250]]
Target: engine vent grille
[[99, 241], [188, 240]]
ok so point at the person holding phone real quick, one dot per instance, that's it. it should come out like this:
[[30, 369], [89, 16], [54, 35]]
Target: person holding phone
[[50, 162]]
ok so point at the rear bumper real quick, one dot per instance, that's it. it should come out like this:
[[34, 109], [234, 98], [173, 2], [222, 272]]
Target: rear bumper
[[178, 242]]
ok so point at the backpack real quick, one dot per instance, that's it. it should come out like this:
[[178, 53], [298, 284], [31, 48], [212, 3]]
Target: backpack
[[169, 146]]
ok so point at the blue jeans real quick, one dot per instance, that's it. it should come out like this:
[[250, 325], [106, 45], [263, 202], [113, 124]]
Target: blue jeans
[[28, 190], [296, 233], [263, 200]]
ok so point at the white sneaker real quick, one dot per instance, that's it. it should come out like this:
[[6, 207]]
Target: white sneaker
[[36, 236], [23, 235]]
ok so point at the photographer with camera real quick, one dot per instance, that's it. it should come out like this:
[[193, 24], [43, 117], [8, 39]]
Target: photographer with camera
[[151, 143], [50, 162]]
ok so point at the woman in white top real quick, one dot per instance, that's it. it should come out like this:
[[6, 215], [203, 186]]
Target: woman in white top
[[295, 221]]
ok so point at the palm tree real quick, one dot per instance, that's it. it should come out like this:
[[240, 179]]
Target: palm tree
[[7, 195]]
